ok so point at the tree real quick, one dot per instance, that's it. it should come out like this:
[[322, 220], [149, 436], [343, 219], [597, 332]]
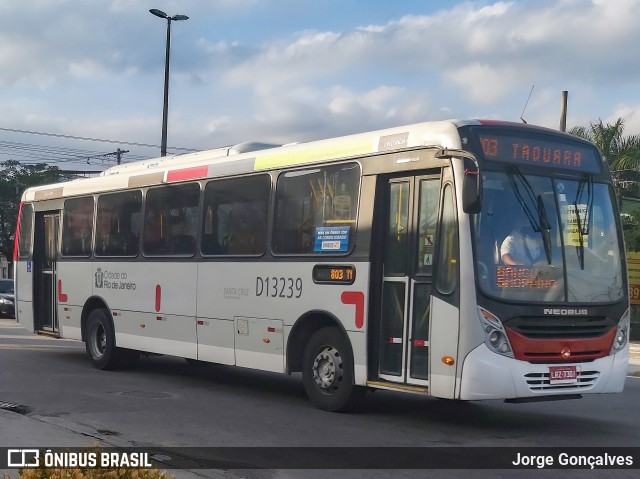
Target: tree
[[14, 179], [622, 153], [631, 227]]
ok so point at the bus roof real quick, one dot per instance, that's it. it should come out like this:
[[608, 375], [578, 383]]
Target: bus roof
[[249, 157]]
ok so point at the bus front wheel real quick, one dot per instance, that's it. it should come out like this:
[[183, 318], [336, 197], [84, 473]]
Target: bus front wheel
[[101, 343], [327, 370]]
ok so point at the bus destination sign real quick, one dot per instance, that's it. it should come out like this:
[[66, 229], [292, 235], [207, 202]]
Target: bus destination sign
[[539, 151], [333, 274], [522, 277]]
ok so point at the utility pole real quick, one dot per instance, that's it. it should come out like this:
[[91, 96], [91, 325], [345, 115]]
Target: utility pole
[[563, 111], [119, 154]]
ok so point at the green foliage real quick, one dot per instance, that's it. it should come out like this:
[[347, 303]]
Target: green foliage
[[621, 152], [631, 227], [14, 179]]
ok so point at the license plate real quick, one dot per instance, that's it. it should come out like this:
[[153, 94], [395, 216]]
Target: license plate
[[563, 375]]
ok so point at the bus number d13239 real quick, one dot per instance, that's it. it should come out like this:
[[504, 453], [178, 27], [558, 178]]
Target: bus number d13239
[[274, 287]]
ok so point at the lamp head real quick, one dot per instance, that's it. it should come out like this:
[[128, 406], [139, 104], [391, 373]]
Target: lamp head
[[158, 13]]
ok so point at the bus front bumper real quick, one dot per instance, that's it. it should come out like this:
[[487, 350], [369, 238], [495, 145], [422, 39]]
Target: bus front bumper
[[487, 375]]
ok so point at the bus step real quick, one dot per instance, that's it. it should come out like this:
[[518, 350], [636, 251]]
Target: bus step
[[398, 387], [50, 334]]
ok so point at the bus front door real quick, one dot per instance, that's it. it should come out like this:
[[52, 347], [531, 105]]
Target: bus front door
[[45, 253], [408, 251]]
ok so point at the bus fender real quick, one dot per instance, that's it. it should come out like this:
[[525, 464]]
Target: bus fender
[[301, 332], [94, 302]]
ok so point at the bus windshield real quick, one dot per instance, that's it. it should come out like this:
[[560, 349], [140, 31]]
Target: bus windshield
[[549, 240]]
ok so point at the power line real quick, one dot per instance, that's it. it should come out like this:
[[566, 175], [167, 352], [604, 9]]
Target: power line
[[74, 137], [55, 154]]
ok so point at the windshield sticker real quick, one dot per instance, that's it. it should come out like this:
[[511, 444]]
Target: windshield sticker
[[573, 223], [331, 239]]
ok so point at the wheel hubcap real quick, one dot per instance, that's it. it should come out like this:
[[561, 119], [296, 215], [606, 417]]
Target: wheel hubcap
[[99, 341], [327, 369], [102, 345]]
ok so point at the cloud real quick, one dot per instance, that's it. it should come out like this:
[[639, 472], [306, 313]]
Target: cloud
[[631, 114], [484, 54]]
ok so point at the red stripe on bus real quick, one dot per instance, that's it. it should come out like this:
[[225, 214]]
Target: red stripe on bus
[[158, 297], [188, 173], [62, 298], [17, 235], [357, 299]]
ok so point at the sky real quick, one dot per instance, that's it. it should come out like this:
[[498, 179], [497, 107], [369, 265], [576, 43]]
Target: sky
[[286, 71]]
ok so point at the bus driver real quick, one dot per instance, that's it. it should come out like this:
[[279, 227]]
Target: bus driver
[[522, 246]]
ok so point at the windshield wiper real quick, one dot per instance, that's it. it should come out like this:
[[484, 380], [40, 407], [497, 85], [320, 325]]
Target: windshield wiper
[[583, 230], [541, 223]]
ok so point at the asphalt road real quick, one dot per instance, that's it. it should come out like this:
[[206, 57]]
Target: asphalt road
[[165, 402]]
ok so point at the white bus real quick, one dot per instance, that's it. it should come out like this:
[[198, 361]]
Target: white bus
[[378, 260]]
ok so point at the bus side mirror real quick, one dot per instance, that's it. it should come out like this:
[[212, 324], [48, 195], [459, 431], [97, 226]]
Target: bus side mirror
[[471, 188]]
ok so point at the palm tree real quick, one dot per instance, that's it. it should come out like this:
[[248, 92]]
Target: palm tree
[[622, 153]]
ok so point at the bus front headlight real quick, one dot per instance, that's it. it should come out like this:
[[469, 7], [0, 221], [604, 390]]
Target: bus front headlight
[[495, 336], [622, 334]]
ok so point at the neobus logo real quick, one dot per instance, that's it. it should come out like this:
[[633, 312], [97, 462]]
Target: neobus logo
[[566, 312]]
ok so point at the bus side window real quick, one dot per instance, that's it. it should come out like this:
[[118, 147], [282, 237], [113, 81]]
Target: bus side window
[[310, 203], [25, 232], [118, 224], [447, 272], [235, 216], [170, 220], [77, 226]]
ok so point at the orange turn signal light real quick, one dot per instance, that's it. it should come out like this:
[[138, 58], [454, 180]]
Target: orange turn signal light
[[448, 360]]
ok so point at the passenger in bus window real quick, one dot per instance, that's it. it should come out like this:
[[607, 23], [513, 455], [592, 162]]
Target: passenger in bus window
[[522, 246], [154, 241], [78, 235]]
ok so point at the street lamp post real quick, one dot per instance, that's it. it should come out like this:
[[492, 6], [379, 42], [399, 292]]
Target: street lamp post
[[165, 105]]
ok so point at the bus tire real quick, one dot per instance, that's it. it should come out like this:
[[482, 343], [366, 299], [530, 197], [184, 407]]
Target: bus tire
[[327, 370], [101, 343]]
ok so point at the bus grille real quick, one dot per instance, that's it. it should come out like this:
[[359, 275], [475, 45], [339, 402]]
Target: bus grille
[[540, 381], [561, 327]]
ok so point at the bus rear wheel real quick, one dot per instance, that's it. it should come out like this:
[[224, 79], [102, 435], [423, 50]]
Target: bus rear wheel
[[327, 370], [101, 343]]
